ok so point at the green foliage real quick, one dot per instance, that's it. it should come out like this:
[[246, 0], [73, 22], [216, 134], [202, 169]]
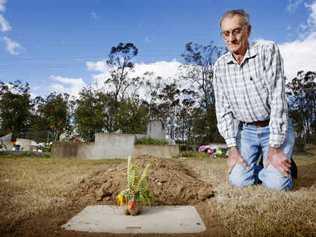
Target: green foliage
[[118, 109], [151, 141], [302, 100], [137, 184], [15, 107], [198, 68], [91, 113], [198, 119], [132, 116], [47, 147], [52, 114], [166, 109], [221, 153], [204, 127], [120, 64], [99, 112]]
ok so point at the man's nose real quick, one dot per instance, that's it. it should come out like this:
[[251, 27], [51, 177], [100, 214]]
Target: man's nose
[[231, 37]]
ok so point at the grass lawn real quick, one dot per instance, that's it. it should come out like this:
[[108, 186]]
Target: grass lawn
[[256, 211], [34, 188]]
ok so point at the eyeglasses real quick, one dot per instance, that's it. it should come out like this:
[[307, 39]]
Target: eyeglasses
[[235, 32]]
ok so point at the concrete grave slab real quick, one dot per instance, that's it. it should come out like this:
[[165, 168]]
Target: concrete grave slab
[[160, 219]]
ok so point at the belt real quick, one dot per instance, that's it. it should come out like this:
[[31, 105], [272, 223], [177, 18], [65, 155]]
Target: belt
[[263, 123]]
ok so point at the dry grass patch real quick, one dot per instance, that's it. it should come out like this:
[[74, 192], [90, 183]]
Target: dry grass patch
[[257, 211], [31, 185]]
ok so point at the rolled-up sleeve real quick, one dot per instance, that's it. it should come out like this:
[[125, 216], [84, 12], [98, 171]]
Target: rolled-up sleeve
[[226, 123], [279, 110]]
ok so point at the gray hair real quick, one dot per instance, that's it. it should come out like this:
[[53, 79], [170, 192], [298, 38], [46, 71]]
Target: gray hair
[[240, 12]]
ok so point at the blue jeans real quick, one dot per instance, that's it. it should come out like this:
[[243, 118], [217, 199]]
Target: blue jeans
[[253, 142]]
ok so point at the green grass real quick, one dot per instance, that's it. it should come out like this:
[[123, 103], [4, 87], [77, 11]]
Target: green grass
[[151, 141]]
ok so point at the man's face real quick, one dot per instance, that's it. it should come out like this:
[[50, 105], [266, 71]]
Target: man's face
[[235, 34]]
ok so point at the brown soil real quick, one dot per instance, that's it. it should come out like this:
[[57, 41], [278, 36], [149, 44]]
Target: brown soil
[[170, 182]]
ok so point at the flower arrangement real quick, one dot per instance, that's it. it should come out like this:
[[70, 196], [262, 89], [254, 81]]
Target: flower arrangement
[[137, 193]]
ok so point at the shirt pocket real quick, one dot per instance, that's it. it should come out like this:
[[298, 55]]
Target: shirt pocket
[[258, 83], [260, 88]]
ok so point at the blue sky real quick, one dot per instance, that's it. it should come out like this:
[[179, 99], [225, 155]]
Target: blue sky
[[49, 42]]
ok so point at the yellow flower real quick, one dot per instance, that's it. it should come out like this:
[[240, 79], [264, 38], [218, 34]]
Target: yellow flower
[[119, 199]]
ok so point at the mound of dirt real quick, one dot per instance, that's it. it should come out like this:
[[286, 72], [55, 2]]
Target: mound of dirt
[[170, 182]]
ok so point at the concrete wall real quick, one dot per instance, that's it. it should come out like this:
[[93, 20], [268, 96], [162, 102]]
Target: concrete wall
[[163, 151], [26, 144], [110, 146], [66, 150], [141, 136]]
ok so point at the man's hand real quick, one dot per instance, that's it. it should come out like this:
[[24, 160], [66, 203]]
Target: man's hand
[[278, 160], [234, 157]]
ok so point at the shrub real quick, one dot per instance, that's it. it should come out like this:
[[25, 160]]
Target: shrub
[[151, 141]]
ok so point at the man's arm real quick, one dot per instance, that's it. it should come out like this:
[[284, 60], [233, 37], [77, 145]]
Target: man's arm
[[226, 123], [279, 110]]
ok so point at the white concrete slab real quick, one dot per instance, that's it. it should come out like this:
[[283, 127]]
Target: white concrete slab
[[162, 219]]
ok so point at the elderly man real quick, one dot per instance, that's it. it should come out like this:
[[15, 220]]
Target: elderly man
[[251, 107]]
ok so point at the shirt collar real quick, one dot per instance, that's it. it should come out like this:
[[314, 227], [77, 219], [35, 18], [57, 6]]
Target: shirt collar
[[250, 53]]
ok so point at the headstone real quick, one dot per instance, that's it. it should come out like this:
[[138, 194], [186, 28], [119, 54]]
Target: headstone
[[156, 130]]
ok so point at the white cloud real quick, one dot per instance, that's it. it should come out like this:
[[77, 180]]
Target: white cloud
[[99, 66], [4, 24], [160, 68], [165, 69], [12, 46], [68, 85], [2, 5], [300, 54], [293, 4]]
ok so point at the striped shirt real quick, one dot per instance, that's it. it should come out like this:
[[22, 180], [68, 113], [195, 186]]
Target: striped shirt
[[251, 91]]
